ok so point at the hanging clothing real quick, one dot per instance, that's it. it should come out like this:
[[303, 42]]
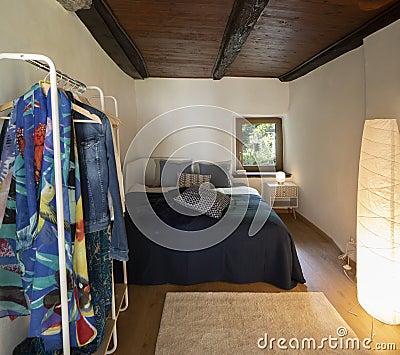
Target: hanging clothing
[[5, 167], [31, 117], [29, 234], [7, 162], [39, 262], [35, 346], [12, 298], [99, 265], [99, 177]]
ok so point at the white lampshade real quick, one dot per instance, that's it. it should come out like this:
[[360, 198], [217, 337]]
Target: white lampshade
[[378, 221], [280, 177]]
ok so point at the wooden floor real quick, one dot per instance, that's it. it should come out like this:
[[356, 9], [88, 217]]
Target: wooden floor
[[138, 325]]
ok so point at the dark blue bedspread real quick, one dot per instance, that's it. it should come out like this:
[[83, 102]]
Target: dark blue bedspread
[[268, 256]]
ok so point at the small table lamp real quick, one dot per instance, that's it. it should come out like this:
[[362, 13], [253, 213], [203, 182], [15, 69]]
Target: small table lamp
[[280, 177]]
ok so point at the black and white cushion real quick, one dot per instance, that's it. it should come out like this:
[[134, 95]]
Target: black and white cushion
[[187, 180], [205, 200]]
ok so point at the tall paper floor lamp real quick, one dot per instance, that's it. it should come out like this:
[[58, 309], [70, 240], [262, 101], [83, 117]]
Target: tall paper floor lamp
[[378, 221]]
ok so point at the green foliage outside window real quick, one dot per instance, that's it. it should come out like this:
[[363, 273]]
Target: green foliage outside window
[[259, 144]]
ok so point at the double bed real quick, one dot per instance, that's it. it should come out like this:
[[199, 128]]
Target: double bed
[[250, 243]]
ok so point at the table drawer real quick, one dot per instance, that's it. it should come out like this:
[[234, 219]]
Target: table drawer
[[284, 191]]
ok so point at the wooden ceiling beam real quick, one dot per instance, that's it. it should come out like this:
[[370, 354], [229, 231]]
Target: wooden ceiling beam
[[243, 17], [75, 5], [103, 25], [346, 44]]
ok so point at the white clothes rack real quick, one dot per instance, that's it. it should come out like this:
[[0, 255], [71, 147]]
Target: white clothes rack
[[76, 84], [116, 115], [114, 310], [113, 303], [35, 59], [101, 95], [126, 298], [48, 65]]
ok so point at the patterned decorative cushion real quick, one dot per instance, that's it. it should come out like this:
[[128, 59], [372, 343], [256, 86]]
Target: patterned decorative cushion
[[187, 180], [205, 200]]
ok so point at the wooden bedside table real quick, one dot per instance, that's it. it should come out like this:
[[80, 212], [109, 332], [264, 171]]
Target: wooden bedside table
[[283, 196]]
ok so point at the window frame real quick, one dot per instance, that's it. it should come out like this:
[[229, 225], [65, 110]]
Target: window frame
[[278, 144]]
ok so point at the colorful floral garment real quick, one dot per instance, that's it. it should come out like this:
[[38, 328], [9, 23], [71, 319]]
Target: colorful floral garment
[[31, 116], [85, 331], [12, 299], [39, 262], [7, 162], [100, 266]]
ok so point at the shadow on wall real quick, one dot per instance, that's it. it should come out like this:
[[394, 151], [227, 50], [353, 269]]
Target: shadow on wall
[[195, 132]]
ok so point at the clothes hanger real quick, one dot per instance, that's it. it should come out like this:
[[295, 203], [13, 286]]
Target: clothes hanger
[[115, 121], [82, 99], [4, 107], [81, 109], [8, 105], [92, 117], [45, 86]]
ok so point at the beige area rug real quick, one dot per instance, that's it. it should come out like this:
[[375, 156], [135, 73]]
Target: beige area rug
[[245, 323]]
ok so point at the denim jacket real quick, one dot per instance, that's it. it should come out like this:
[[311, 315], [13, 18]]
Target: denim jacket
[[98, 177]]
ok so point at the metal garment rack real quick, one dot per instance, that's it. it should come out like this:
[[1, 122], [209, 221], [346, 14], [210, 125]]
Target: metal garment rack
[[114, 311], [48, 65], [125, 273], [36, 59], [126, 298], [76, 84]]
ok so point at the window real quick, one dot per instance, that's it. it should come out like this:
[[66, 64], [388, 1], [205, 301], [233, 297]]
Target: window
[[259, 144]]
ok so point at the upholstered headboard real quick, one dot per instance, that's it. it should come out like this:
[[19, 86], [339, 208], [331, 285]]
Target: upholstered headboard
[[147, 172], [134, 173], [142, 171]]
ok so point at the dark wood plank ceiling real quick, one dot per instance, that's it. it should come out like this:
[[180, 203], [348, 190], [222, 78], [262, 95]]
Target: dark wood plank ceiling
[[290, 32], [176, 38], [186, 38]]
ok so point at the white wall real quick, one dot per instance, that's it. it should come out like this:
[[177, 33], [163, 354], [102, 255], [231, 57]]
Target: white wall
[[323, 138], [324, 128], [322, 132], [181, 132], [242, 95], [45, 27], [178, 103], [169, 112], [382, 70]]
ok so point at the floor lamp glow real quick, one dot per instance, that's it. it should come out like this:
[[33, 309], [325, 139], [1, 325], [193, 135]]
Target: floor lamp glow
[[378, 221]]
